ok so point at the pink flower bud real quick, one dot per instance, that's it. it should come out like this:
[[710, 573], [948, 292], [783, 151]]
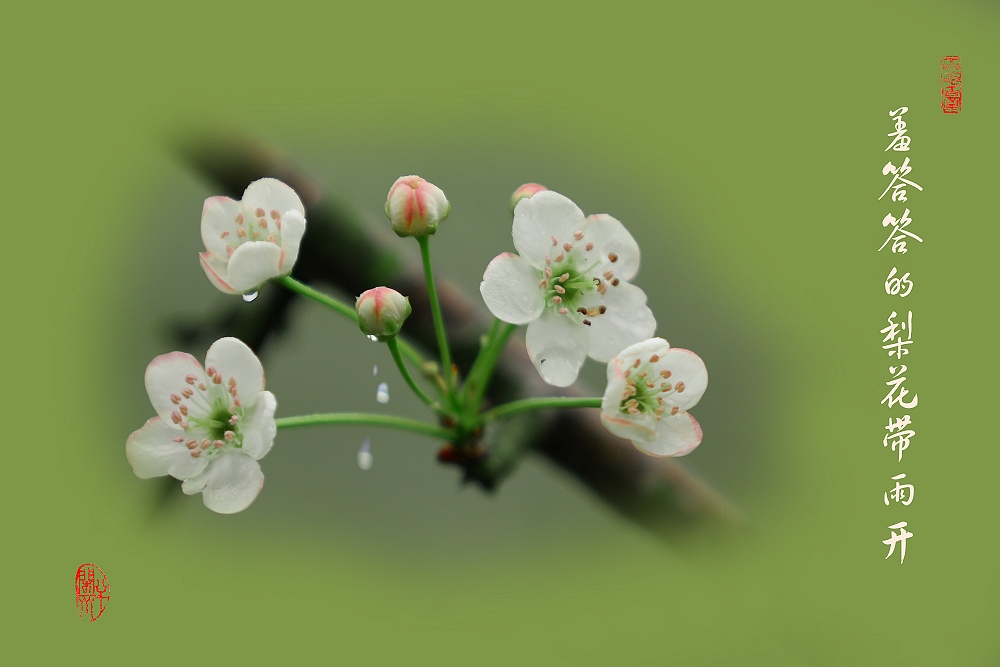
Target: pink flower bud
[[381, 312], [525, 192], [415, 207]]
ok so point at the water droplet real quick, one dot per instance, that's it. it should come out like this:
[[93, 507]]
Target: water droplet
[[250, 297], [375, 369], [373, 339], [365, 458], [382, 395]]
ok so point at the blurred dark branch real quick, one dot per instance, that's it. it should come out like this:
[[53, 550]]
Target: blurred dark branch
[[338, 251]]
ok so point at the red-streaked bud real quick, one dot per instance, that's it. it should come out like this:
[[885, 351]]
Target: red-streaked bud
[[415, 207], [381, 312], [524, 192]]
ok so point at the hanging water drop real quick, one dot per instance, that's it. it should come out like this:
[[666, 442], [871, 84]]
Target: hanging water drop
[[365, 458], [382, 395], [250, 297], [373, 339], [375, 369]]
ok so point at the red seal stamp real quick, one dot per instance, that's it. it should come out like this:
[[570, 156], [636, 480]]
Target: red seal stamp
[[92, 589], [951, 84]]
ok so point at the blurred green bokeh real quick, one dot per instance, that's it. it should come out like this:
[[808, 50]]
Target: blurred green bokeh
[[741, 145]]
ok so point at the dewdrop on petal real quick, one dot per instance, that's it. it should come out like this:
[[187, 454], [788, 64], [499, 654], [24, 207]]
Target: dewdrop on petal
[[381, 312], [415, 207]]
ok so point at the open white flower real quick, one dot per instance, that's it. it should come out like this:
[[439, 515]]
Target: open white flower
[[212, 425], [650, 388], [253, 240], [569, 284]]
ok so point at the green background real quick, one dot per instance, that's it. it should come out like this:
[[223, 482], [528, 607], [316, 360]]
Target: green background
[[742, 146]]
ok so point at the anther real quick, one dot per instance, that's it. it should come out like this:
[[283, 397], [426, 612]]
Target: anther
[[665, 386], [260, 213], [187, 392], [557, 299], [234, 419], [555, 241], [628, 372], [219, 444], [544, 283], [567, 246], [587, 322], [201, 385], [680, 387], [232, 408], [217, 379], [175, 399], [184, 410], [205, 444], [602, 289], [176, 417], [263, 224], [196, 453], [559, 288], [564, 311], [649, 384], [185, 425], [582, 311], [613, 257], [665, 374], [210, 370], [277, 223], [241, 232], [224, 234], [232, 383], [239, 219], [229, 250], [560, 257], [609, 274], [603, 309], [614, 283], [548, 260], [653, 359], [272, 238], [179, 439], [236, 401], [548, 272], [578, 235], [636, 364], [564, 277], [275, 215], [191, 444], [674, 410], [589, 247], [660, 410], [190, 379], [229, 435]]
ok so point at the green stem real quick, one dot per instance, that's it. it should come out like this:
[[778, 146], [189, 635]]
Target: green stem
[[483, 367], [442, 338], [397, 357], [342, 308], [539, 404], [366, 419]]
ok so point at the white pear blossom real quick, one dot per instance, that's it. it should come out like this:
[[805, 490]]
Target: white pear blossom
[[569, 284], [651, 386], [253, 240], [212, 425]]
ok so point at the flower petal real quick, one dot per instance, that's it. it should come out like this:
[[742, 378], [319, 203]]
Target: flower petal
[[628, 320], [233, 359], [253, 264], [259, 428], [510, 289], [538, 219], [675, 436], [557, 345], [687, 367], [229, 484], [638, 426], [610, 236], [166, 376], [152, 452], [271, 194], [218, 216], [293, 227], [215, 269]]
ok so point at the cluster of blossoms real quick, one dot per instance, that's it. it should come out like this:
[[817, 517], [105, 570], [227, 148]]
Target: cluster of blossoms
[[569, 283]]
